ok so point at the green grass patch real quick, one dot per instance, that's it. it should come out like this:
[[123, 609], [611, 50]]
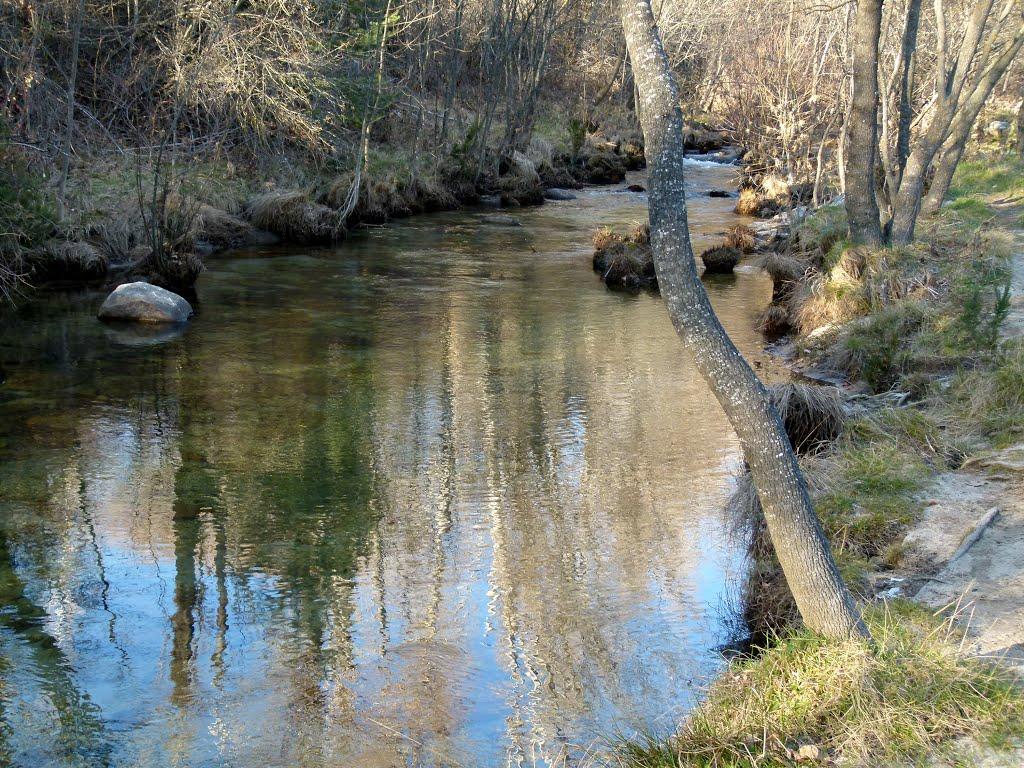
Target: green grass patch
[[870, 497], [817, 702], [971, 210], [988, 402], [989, 177], [823, 230]]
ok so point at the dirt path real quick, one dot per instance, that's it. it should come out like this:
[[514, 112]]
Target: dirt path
[[969, 547], [970, 544]]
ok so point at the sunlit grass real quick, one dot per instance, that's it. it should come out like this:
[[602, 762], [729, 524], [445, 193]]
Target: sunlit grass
[[988, 176], [808, 700]]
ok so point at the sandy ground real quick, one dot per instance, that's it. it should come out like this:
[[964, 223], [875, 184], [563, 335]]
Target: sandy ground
[[968, 550], [970, 546]]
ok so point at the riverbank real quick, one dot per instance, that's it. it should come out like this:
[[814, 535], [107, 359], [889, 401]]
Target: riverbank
[[919, 496], [128, 215], [141, 214]]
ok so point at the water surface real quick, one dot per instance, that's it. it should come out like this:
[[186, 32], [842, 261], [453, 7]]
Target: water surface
[[434, 497]]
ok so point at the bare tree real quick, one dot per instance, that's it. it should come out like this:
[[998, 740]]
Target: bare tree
[[823, 599], [960, 129], [988, 44]]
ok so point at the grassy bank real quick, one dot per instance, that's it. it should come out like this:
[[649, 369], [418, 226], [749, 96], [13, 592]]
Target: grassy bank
[[917, 334], [807, 701]]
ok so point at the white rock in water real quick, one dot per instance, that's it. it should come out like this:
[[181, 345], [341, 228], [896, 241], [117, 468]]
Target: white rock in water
[[145, 303]]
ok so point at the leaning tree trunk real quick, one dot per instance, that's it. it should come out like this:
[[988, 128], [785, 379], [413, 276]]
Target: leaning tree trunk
[[861, 205], [951, 82], [823, 599]]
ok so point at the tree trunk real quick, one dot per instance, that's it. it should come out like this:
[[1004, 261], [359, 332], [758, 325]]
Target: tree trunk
[[1020, 128], [824, 601], [861, 204], [906, 109], [951, 83], [960, 131]]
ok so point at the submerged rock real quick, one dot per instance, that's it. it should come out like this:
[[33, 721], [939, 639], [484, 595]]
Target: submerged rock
[[636, 188], [719, 193], [558, 194], [501, 220], [144, 303], [144, 334]]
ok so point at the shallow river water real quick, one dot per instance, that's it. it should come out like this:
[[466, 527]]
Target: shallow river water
[[433, 497]]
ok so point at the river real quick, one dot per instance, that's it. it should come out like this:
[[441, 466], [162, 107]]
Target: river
[[432, 497]]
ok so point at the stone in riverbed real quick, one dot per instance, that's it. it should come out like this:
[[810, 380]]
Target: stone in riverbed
[[501, 220], [144, 303], [554, 193]]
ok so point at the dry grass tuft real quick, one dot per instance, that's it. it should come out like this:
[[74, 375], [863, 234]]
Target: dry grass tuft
[[812, 415], [66, 260], [749, 202], [640, 234], [221, 229], [178, 271], [784, 269], [774, 321], [625, 261], [720, 260], [293, 217], [990, 402], [605, 238], [521, 189], [741, 237], [826, 300]]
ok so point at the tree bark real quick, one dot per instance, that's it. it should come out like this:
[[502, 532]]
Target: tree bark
[[861, 204], [823, 599], [906, 110]]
